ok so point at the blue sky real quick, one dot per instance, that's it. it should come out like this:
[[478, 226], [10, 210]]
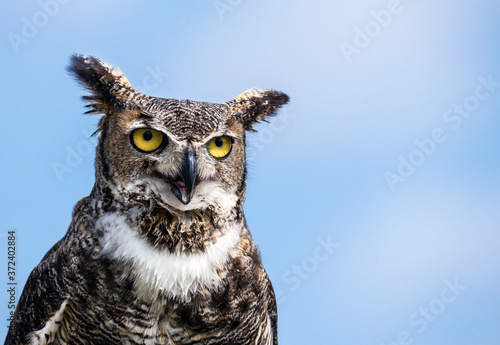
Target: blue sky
[[373, 196]]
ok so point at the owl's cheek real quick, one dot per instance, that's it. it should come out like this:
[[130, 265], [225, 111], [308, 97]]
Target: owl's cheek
[[131, 170], [214, 193]]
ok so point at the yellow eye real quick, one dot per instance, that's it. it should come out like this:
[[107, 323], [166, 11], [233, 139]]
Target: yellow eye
[[220, 147], [147, 140]]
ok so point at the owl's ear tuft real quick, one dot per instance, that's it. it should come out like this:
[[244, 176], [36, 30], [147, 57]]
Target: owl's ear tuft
[[256, 105], [108, 85]]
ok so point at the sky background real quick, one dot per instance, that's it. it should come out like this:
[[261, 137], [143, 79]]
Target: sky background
[[373, 195]]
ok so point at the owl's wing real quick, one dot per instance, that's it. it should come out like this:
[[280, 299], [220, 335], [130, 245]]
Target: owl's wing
[[272, 311], [41, 305]]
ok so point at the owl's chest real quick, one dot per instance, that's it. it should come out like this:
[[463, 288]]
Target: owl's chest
[[177, 325], [235, 313], [143, 295]]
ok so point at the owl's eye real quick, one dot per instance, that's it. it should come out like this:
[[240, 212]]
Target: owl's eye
[[220, 147], [147, 139]]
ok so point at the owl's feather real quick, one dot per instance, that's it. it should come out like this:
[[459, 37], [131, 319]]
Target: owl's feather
[[256, 105], [108, 86], [37, 317]]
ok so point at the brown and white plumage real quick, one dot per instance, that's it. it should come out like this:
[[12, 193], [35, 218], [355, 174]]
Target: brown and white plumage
[[159, 252]]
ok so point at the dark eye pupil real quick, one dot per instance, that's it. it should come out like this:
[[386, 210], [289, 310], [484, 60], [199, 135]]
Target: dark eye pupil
[[147, 135], [219, 142]]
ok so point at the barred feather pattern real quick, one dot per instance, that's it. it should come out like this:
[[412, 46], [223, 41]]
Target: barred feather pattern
[[101, 305]]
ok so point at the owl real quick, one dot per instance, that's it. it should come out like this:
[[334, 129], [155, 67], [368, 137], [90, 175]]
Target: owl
[[160, 251]]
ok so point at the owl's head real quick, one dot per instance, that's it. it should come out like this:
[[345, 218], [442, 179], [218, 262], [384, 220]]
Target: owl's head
[[184, 154]]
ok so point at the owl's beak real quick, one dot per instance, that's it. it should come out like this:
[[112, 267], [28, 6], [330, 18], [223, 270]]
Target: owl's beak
[[185, 184]]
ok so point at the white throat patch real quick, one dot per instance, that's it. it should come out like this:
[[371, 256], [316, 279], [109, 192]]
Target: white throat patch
[[157, 271]]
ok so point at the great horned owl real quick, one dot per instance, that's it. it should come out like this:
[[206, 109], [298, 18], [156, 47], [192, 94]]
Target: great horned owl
[[159, 252]]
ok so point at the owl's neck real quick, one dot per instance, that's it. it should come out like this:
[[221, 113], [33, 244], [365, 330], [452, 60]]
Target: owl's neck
[[167, 228], [181, 255]]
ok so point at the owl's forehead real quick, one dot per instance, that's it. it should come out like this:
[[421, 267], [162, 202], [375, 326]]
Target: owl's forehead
[[186, 119]]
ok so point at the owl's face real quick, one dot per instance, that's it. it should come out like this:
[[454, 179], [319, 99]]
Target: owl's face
[[185, 154]]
